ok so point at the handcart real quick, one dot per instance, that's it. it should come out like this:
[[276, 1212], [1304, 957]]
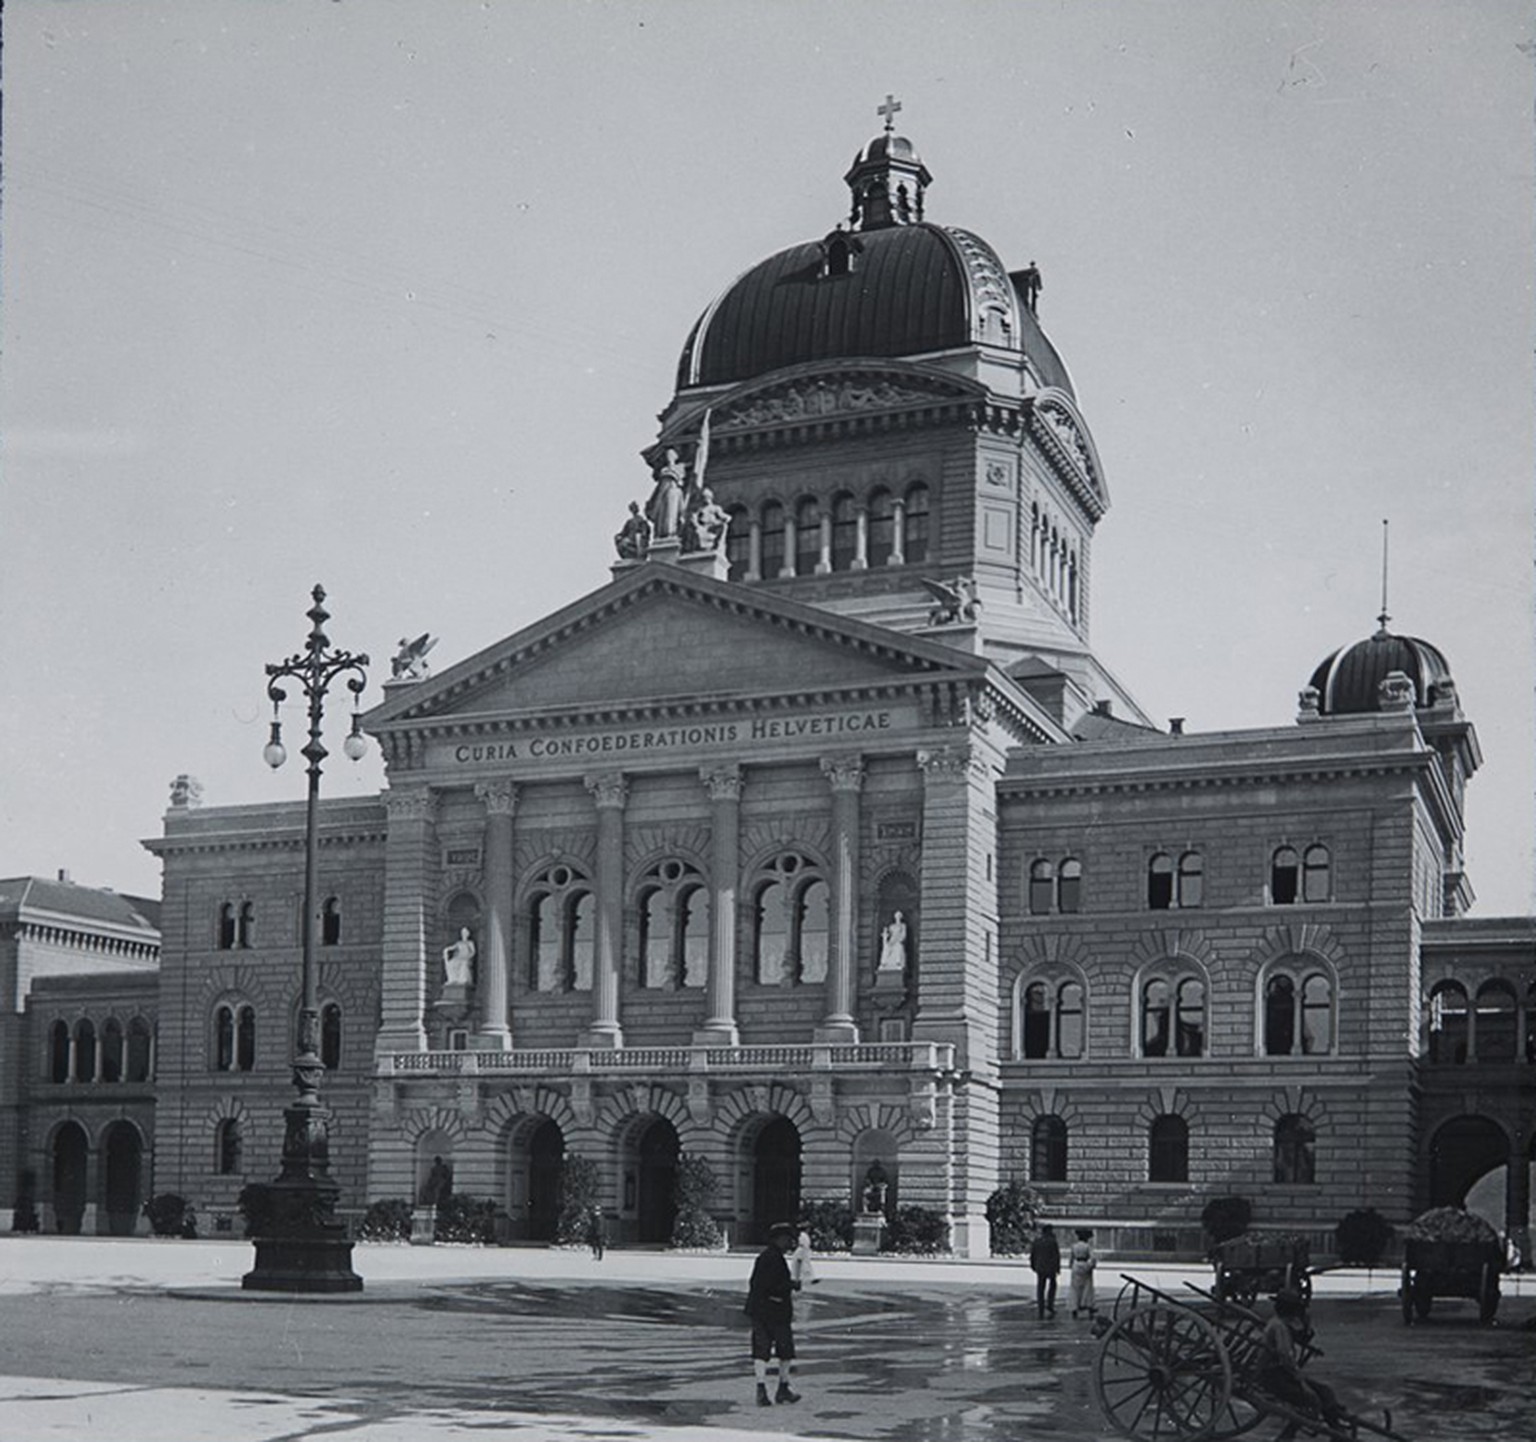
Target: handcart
[[1437, 1268], [1171, 1369], [1258, 1264]]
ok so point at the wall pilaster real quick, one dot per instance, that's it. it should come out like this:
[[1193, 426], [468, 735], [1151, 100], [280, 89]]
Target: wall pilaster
[[410, 864]]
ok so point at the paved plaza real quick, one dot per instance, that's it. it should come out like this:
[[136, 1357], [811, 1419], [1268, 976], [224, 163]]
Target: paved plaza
[[153, 1340]]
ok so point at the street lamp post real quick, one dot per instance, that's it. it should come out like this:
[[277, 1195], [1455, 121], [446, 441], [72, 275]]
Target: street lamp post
[[300, 1244]]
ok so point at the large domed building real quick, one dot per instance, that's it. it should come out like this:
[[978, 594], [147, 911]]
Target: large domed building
[[819, 846]]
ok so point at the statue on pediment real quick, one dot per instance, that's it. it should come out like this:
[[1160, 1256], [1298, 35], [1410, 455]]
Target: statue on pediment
[[634, 537], [957, 600], [410, 661], [706, 522], [665, 508]]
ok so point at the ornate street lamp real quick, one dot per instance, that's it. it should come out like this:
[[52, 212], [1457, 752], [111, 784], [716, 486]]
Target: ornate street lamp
[[300, 1244]]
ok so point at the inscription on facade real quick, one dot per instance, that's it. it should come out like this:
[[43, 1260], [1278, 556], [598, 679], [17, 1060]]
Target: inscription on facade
[[747, 731]]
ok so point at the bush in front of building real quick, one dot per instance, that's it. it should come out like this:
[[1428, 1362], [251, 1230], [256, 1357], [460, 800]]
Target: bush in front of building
[[171, 1215], [1224, 1218], [1014, 1213], [387, 1220], [693, 1192], [829, 1221], [463, 1218], [578, 1194], [1362, 1237], [917, 1231]]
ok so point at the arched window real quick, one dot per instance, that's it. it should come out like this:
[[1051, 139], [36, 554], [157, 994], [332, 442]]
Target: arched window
[[245, 938], [139, 1040], [330, 922], [1042, 887], [1493, 1033], [845, 532], [882, 528], [229, 1148], [738, 543], [838, 254], [224, 1039], [1070, 1029], [112, 1051], [1298, 1013], [1190, 1005], [1284, 876], [1168, 1150], [330, 1036], [1048, 1150], [1069, 886], [1191, 880], [85, 1050], [1036, 1021], [561, 925], [1173, 1016], [1295, 1151], [773, 539], [58, 1052], [807, 536], [674, 927], [791, 923], [245, 1039], [914, 525], [227, 926], [1160, 882], [1051, 1021], [1448, 1022], [1316, 874]]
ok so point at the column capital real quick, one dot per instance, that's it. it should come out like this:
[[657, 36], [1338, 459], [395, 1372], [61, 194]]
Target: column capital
[[500, 796], [845, 773], [723, 783], [610, 789], [410, 803], [950, 763]]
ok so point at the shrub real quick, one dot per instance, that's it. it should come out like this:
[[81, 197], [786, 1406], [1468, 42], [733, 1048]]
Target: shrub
[[1224, 1218], [171, 1215], [1362, 1237], [830, 1223], [387, 1220], [1014, 1212], [463, 1218], [578, 1195], [693, 1191], [917, 1231]]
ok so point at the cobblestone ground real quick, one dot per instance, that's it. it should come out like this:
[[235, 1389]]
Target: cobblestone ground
[[909, 1362]]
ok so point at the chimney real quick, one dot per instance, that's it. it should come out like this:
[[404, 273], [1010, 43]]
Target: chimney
[[65, 877], [1175, 725]]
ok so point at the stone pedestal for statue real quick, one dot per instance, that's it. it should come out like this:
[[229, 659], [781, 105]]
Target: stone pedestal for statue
[[423, 1226], [454, 997], [868, 1233]]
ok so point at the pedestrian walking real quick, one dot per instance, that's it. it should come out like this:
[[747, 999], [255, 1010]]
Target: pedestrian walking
[[597, 1232], [770, 1305], [1045, 1262], [1080, 1265], [801, 1267]]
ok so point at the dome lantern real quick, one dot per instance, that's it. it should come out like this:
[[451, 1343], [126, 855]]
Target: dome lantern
[[887, 178]]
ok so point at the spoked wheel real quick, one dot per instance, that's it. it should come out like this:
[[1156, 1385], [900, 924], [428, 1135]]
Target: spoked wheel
[[1162, 1372]]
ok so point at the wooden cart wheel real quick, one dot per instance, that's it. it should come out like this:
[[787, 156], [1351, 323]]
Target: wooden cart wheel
[[1423, 1297], [1405, 1294], [1163, 1372], [1488, 1294]]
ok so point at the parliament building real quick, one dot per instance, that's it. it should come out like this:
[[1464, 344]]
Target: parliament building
[[820, 837]]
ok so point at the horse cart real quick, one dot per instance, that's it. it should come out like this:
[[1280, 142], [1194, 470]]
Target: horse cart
[[1256, 1264], [1434, 1267], [1171, 1369]]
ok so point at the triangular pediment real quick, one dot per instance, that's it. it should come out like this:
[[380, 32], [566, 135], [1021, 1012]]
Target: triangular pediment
[[661, 637]]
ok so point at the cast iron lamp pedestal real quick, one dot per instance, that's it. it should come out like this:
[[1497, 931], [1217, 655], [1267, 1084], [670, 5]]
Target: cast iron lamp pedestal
[[300, 1244]]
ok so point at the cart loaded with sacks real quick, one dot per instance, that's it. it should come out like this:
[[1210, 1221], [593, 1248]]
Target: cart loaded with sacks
[[1450, 1253], [1176, 1369]]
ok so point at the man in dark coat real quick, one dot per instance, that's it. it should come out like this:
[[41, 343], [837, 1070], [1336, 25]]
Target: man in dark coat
[[770, 1305], [1045, 1262]]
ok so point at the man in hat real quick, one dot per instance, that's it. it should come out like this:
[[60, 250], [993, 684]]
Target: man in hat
[[770, 1305], [1280, 1358]]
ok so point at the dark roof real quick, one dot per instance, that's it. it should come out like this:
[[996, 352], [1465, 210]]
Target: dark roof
[[20, 894], [1348, 681]]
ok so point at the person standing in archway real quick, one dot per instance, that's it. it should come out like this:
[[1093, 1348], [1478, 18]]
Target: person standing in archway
[[770, 1305]]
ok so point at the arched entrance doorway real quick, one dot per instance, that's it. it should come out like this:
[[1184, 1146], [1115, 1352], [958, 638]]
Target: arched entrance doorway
[[69, 1161], [1461, 1151], [775, 1176], [124, 1154], [546, 1156], [656, 1186]]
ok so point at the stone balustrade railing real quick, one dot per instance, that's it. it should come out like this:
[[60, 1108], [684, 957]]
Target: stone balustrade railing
[[653, 1061]]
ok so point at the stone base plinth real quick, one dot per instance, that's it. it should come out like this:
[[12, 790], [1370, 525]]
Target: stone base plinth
[[868, 1233], [423, 1226], [302, 1264]]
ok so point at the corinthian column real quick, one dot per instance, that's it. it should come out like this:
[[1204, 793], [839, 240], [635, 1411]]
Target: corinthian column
[[846, 775], [500, 798], [724, 787], [409, 862], [609, 792]]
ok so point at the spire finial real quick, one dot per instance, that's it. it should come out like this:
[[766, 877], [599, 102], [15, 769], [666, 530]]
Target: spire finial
[[1384, 617], [888, 110]]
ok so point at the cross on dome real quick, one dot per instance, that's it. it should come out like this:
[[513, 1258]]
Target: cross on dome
[[888, 110]]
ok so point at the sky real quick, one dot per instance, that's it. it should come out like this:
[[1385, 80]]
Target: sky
[[387, 296]]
